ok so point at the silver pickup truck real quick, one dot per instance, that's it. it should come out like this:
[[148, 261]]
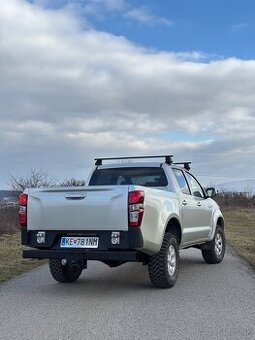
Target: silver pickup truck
[[143, 211]]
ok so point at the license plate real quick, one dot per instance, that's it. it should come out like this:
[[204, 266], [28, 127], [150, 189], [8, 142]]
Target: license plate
[[79, 242]]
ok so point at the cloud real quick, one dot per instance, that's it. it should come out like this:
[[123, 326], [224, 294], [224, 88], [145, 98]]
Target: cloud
[[239, 27], [144, 16], [69, 93], [96, 8], [101, 9]]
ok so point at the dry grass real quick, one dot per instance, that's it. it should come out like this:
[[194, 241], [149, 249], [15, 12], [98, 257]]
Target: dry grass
[[11, 261], [240, 232], [8, 219]]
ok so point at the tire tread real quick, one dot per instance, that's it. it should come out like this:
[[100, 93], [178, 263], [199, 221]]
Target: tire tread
[[158, 265], [62, 274], [209, 255]]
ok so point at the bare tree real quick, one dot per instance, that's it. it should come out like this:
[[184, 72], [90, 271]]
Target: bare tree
[[72, 182], [36, 179]]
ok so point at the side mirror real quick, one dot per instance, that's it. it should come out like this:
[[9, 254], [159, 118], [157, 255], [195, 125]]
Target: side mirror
[[210, 192]]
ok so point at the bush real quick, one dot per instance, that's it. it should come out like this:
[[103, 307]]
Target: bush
[[235, 200], [8, 219]]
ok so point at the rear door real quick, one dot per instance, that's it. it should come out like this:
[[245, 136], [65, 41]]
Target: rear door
[[203, 207], [195, 220]]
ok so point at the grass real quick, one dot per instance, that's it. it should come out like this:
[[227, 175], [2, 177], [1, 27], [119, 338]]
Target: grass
[[11, 262], [240, 232]]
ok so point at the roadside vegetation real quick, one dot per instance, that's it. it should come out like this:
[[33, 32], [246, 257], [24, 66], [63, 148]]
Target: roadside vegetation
[[239, 213], [240, 232], [11, 261], [238, 208]]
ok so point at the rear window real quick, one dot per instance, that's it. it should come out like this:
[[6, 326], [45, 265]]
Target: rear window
[[149, 176]]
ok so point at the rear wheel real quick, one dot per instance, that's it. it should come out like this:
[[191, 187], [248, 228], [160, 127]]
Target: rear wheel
[[164, 266], [214, 250], [65, 271]]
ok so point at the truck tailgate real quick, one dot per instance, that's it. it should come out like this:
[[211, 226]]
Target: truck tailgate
[[78, 208]]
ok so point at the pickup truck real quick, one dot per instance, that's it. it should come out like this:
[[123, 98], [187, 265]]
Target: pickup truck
[[142, 211]]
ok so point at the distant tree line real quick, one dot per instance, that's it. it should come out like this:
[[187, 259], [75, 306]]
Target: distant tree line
[[234, 199], [38, 178]]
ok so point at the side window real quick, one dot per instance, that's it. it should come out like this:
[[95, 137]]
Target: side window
[[181, 181], [195, 187]]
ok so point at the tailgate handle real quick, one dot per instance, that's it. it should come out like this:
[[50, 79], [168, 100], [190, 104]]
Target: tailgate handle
[[75, 196]]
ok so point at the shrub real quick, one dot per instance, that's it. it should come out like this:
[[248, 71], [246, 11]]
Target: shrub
[[8, 219]]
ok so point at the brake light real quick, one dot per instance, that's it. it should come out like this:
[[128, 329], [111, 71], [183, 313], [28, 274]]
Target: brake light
[[23, 210], [23, 199], [135, 208]]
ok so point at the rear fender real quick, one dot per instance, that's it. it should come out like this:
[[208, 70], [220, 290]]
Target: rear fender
[[172, 220]]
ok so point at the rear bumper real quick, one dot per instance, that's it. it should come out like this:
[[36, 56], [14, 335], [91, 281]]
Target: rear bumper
[[126, 250], [84, 255]]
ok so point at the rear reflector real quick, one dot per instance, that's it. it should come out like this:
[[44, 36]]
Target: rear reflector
[[22, 219]]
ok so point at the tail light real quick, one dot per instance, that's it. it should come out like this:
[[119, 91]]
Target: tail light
[[135, 208], [23, 210]]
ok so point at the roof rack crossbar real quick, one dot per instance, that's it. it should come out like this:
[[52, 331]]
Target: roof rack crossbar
[[186, 165], [99, 160]]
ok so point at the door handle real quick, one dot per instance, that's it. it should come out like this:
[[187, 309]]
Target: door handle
[[75, 196], [184, 202], [199, 204]]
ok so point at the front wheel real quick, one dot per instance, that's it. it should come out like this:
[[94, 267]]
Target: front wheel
[[164, 266], [214, 250], [64, 271]]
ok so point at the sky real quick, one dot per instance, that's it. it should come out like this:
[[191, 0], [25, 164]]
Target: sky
[[80, 79]]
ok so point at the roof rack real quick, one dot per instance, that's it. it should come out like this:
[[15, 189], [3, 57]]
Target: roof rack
[[186, 165], [168, 158]]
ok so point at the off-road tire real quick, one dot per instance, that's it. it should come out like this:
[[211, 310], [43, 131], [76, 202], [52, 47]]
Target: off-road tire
[[159, 264], [64, 273], [214, 251]]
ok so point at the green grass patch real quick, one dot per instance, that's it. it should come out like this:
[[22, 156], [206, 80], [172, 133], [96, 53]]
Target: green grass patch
[[240, 232], [11, 261]]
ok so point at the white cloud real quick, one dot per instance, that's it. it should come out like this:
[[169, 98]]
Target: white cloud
[[96, 8], [144, 16], [68, 94], [112, 5], [239, 27], [101, 9]]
